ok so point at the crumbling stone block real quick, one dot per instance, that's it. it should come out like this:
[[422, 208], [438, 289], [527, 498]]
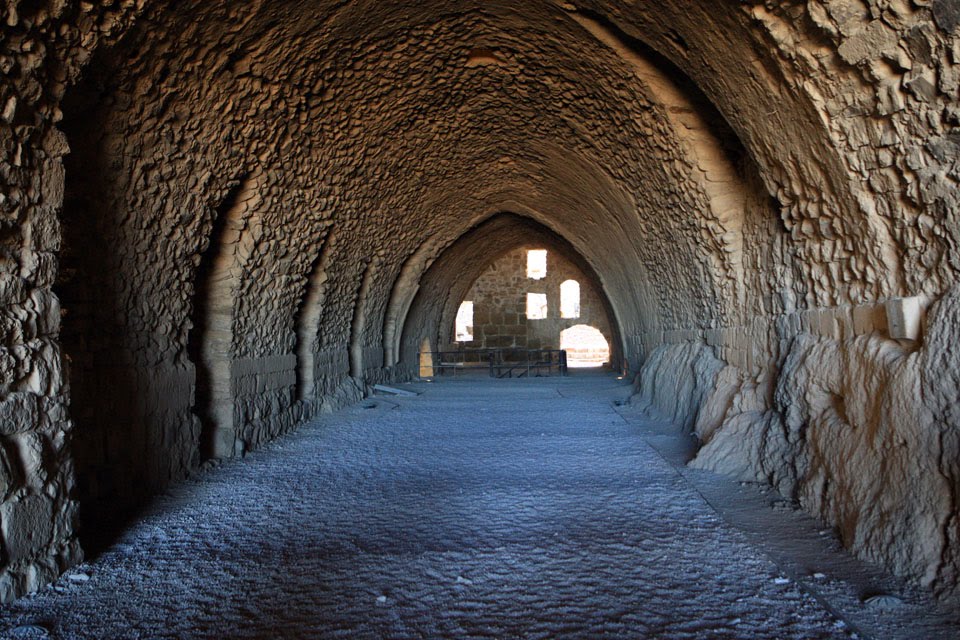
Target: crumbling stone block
[[27, 526], [904, 318]]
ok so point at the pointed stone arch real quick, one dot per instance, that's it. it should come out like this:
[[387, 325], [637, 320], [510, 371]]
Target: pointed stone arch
[[308, 320], [210, 344]]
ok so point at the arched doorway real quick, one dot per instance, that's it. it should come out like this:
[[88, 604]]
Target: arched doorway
[[585, 346]]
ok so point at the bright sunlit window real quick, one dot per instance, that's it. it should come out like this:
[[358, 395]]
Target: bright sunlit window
[[537, 264], [536, 306], [570, 299], [465, 322], [585, 346]]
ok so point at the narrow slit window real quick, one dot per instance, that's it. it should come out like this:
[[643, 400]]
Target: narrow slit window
[[536, 306], [537, 264], [570, 299], [465, 322]]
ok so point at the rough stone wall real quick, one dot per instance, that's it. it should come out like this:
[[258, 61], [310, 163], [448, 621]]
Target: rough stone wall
[[44, 44], [819, 398], [883, 78], [499, 299], [854, 425]]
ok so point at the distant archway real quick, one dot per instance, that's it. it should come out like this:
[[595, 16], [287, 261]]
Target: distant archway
[[585, 346]]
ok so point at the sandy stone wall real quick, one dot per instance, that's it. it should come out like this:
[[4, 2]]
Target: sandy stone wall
[[497, 244], [499, 299], [820, 397], [219, 218], [846, 401], [42, 49]]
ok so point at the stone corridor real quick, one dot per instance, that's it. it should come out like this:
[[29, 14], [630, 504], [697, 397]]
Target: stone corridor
[[222, 221], [478, 509]]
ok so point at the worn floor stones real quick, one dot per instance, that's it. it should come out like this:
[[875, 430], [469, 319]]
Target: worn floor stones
[[479, 509]]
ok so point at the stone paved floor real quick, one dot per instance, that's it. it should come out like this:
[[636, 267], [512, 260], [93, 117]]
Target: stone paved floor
[[479, 509]]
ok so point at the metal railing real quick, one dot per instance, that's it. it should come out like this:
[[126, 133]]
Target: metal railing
[[500, 363]]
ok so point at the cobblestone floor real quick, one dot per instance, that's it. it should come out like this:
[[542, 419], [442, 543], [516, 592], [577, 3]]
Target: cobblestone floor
[[479, 509]]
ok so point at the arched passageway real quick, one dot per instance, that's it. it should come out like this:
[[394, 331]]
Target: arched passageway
[[221, 219], [585, 346]]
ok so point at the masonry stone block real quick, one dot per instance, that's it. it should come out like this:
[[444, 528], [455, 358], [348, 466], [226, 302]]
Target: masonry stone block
[[27, 526], [904, 318]]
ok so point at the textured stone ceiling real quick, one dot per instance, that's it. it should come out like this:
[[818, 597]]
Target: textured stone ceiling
[[401, 126]]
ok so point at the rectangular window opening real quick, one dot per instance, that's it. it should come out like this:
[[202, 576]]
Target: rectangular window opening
[[536, 306], [570, 299], [464, 329], [537, 264]]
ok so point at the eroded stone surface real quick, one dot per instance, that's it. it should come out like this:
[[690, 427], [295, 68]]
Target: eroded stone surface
[[857, 429]]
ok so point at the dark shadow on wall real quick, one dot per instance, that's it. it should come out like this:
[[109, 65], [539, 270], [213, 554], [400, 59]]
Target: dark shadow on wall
[[106, 434], [205, 297], [130, 388]]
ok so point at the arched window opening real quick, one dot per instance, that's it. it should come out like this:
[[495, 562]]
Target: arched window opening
[[536, 306], [464, 325], [585, 346], [537, 264], [570, 299]]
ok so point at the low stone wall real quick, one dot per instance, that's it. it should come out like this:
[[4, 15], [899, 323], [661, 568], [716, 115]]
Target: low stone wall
[[860, 428], [264, 393]]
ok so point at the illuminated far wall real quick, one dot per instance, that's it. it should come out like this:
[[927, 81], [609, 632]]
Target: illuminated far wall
[[526, 300]]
